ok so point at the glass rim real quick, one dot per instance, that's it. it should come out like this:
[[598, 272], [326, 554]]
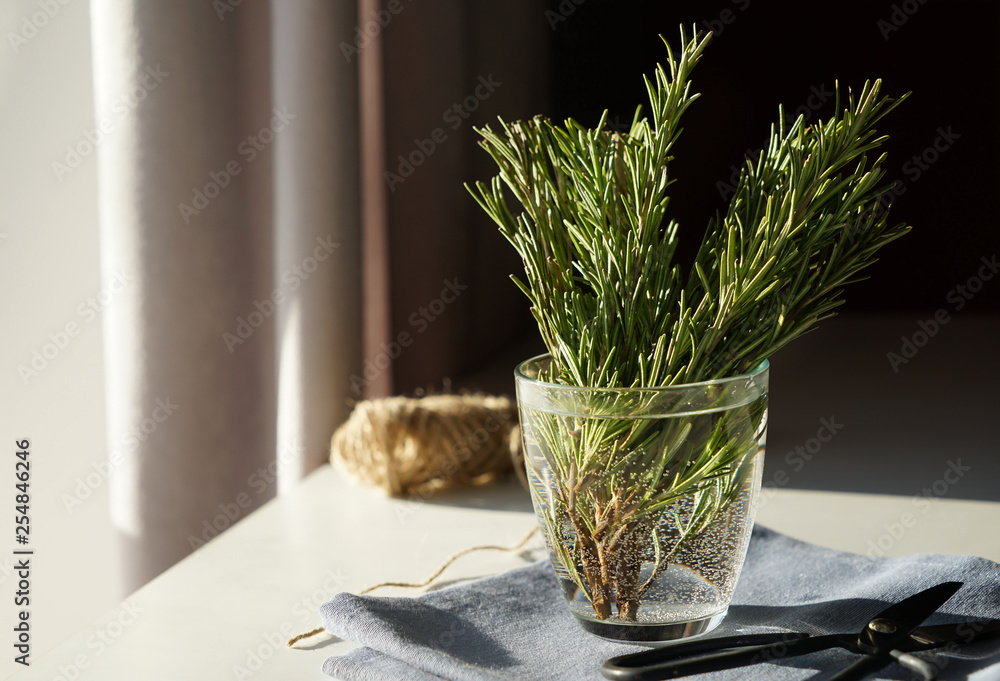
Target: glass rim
[[520, 376]]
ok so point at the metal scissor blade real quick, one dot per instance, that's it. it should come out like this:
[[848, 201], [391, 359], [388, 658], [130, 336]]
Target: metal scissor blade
[[715, 654], [960, 632], [893, 626]]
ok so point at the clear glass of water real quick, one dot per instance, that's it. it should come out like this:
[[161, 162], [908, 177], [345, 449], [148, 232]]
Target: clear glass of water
[[646, 496]]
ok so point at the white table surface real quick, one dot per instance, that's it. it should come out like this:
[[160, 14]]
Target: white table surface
[[226, 611]]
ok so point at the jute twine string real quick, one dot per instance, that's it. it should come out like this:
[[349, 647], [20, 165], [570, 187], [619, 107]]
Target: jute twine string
[[416, 585], [413, 447]]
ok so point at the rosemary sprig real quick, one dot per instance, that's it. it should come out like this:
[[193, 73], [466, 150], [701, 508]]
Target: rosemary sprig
[[613, 307]]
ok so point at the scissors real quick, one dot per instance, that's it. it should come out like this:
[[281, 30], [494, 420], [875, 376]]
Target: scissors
[[892, 635]]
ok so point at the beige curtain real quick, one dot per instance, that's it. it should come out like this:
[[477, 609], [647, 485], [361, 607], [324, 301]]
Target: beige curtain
[[317, 217], [271, 260], [229, 197]]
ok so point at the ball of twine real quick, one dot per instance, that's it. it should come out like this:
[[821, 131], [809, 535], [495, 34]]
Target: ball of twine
[[410, 446]]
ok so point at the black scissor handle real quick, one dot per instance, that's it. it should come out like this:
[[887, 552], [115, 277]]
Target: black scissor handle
[[683, 659]]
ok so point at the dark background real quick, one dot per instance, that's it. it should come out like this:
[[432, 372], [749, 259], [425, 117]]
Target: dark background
[[904, 425], [576, 58], [902, 428], [946, 53]]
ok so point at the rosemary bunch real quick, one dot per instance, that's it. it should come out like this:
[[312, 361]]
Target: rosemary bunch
[[616, 311], [613, 307]]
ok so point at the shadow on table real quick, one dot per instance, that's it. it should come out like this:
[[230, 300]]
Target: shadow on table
[[321, 641], [501, 496]]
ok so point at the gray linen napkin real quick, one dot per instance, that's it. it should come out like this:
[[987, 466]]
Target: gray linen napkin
[[516, 625]]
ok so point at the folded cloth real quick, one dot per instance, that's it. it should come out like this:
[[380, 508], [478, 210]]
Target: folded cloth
[[516, 625]]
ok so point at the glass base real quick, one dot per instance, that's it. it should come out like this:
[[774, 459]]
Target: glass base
[[650, 634]]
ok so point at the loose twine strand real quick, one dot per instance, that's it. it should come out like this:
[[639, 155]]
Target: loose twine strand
[[414, 447], [416, 585]]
